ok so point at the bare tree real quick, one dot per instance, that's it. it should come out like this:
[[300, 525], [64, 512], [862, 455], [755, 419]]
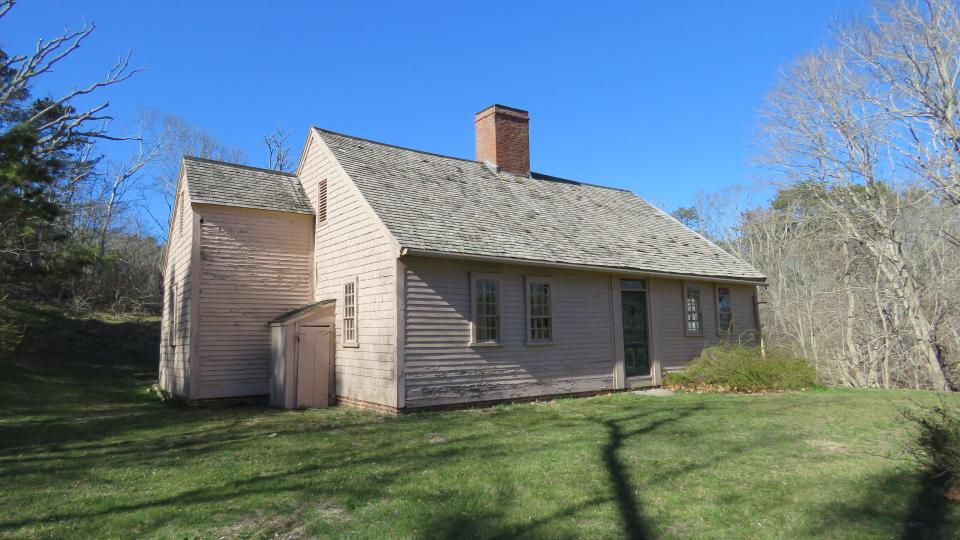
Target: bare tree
[[58, 121], [121, 178], [176, 138], [909, 52], [863, 125], [278, 153]]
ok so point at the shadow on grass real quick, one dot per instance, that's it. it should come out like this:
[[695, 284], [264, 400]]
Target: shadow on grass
[[929, 514], [76, 409], [340, 470], [76, 379], [903, 503], [492, 520], [631, 512]]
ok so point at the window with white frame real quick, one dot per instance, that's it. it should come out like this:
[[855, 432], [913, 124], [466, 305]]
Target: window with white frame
[[350, 312], [486, 309], [539, 310], [692, 307], [724, 311]]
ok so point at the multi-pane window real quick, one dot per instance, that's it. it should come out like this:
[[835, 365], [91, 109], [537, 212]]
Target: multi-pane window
[[486, 310], [539, 315], [724, 311], [350, 312], [694, 314]]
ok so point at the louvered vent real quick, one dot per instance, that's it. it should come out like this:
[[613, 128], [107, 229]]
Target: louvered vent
[[180, 218], [322, 201]]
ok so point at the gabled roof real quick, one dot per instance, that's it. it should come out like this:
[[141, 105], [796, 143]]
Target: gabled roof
[[228, 184], [440, 204]]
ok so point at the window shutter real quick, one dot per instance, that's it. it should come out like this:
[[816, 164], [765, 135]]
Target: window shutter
[[322, 201]]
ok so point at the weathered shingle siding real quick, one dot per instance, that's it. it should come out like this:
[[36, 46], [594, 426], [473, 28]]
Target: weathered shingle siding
[[177, 282], [255, 265], [441, 367], [351, 243], [672, 347]]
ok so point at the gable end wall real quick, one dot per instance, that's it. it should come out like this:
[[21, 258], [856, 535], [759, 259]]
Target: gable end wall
[[352, 243], [175, 343]]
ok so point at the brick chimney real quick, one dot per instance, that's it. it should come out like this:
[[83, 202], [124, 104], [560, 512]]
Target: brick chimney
[[503, 138]]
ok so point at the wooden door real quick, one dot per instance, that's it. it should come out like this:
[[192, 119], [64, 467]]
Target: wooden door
[[636, 346], [313, 366]]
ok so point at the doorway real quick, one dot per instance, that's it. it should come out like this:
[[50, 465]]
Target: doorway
[[636, 335], [314, 345]]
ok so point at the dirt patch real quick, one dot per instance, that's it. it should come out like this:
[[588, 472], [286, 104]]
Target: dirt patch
[[291, 526], [436, 438], [830, 447], [332, 512]]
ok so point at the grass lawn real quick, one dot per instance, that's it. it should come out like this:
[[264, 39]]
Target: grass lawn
[[87, 451]]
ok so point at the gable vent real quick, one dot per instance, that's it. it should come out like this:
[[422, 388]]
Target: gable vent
[[322, 201]]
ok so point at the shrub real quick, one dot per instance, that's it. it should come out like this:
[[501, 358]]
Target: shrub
[[726, 368], [937, 442]]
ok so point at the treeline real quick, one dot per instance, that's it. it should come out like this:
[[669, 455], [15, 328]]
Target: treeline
[[78, 228], [861, 243]]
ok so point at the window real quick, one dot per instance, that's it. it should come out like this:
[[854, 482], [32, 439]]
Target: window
[[350, 313], [322, 202], [724, 311], [694, 315], [633, 284], [539, 312], [486, 310]]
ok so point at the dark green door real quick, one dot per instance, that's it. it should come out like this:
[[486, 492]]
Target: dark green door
[[636, 353]]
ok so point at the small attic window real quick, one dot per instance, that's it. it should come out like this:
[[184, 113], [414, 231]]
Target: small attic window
[[322, 201]]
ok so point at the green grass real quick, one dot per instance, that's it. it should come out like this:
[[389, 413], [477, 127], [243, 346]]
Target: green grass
[[87, 451]]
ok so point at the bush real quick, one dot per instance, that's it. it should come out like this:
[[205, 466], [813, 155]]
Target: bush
[[937, 442], [726, 368]]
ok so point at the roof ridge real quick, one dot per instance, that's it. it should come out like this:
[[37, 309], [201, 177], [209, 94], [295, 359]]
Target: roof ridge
[[238, 165], [396, 146], [552, 178], [533, 174]]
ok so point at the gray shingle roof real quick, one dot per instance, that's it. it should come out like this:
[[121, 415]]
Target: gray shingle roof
[[228, 184], [436, 203]]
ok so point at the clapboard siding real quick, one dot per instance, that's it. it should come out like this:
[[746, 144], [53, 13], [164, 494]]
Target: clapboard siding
[[352, 243], [254, 265], [672, 348], [440, 366], [744, 314], [177, 286]]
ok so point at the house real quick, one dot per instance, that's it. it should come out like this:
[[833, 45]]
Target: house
[[392, 278]]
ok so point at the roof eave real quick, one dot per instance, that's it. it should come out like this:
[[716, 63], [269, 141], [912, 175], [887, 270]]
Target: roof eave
[[415, 252], [301, 312], [228, 205]]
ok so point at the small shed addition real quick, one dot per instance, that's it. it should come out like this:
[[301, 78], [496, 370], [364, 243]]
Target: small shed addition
[[302, 349]]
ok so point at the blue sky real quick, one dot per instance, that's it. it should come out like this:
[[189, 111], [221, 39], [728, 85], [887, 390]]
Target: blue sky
[[660, 98]]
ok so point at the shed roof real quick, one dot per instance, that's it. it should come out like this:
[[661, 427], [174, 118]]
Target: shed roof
[[229, 184], [436, 203], [302, 311]]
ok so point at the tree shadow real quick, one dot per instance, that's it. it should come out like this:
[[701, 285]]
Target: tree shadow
[[904, 503], [928, 515], [628, 506]]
